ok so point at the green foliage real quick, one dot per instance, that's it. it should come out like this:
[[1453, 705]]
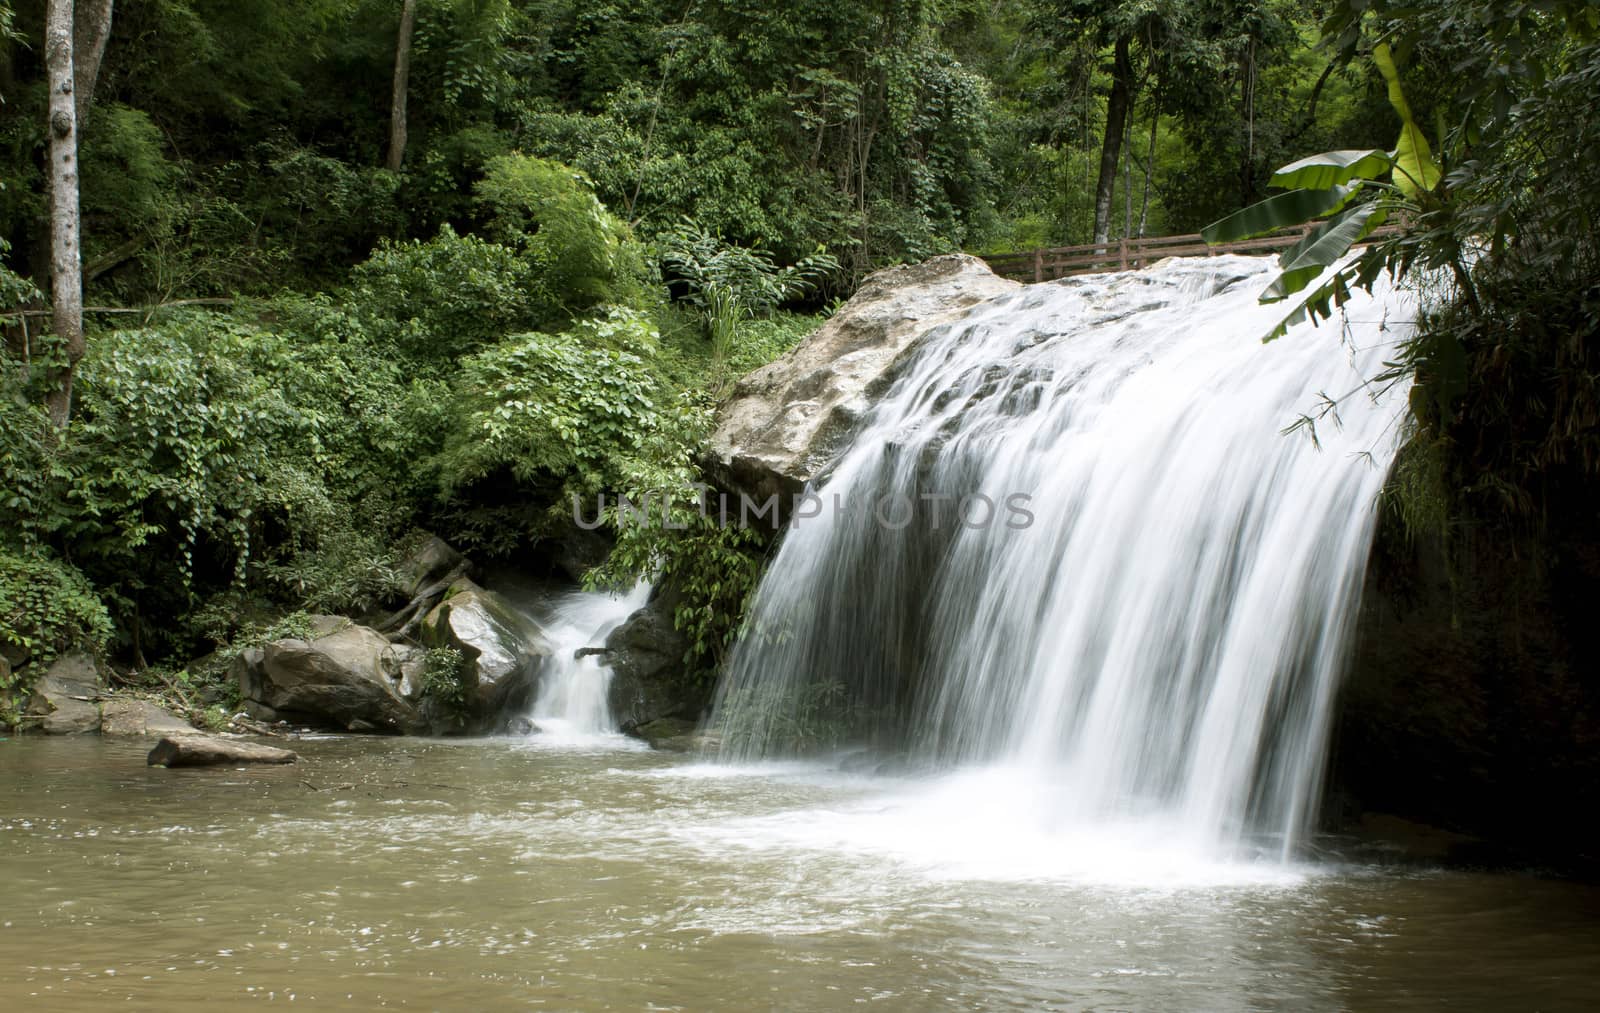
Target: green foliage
[[48, 608], [444, 672], [583, 254], [547, 408], [1338, 183], [437, 300], [732, 285]]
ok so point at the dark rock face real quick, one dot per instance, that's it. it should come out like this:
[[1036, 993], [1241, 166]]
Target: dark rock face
[[674, 735], [787, 420], [648, 680], [345, 678], [199, 750], [1473, 701]]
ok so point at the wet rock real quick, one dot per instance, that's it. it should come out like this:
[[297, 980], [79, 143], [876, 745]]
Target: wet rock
[[66, 699], [648, 680], [413, 663], [345, 676], [673, 735], [787, 420], [503, 647], [139, 719], [520, 725], [200, 750]]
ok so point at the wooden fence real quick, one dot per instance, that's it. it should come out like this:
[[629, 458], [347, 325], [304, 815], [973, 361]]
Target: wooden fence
[[1131, 254]]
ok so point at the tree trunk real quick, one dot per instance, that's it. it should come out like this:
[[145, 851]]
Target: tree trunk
[[92, 29], [66, 264], [1111, 148], [402, 81], [1150, 161]]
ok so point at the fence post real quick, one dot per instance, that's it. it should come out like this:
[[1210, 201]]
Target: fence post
[[1038, 265], [1122, 252]]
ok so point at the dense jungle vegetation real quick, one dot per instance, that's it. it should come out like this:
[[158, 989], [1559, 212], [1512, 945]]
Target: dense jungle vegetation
[[352, 269]]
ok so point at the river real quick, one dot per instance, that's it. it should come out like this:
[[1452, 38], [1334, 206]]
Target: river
[[595, 874]]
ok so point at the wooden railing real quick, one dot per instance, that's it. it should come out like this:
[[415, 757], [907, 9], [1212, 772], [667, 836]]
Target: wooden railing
[[1132, 254]]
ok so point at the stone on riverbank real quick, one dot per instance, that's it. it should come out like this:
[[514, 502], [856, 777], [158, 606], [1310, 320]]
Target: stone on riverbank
[[345, 677], [139, 719], [200, 750], [66, 699]]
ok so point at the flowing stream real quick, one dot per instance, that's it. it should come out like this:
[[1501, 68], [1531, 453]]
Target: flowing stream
[[1075, 544]]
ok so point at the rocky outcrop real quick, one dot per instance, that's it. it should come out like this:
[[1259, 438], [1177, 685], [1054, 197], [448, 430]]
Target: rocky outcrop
[[66, 699], [346, 677], [200, 750], [648, 681], [787, 420], [503, 647], [133, 718]]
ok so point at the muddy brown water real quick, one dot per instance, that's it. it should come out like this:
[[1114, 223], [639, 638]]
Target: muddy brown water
[[498, 874]]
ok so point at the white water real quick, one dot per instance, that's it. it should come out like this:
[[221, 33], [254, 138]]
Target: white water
[[572, 703], [1148, 666]]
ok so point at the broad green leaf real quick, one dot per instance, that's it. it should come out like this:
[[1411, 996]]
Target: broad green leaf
[[1323, 248], [1414, 168], [1331, 168], [1280, 211], [1315, 305]]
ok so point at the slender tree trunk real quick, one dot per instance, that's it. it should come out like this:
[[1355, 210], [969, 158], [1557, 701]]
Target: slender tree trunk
[[402, 82], [66, 263], [1111, 147], [1150, 161], [92, 29]]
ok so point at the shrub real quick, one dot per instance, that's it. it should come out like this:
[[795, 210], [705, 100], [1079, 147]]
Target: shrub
[[554, 408], [583, 254], [46, 608], [449, 296]]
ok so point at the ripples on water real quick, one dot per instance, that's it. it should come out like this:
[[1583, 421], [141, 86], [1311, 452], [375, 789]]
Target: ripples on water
[[454, 874]]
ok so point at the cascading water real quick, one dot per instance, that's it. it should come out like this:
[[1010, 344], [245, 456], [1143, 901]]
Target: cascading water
[[572, 702], [1075, 544]]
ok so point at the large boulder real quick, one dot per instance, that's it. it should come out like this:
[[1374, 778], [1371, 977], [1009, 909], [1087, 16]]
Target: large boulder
[[344, 677], [648, 681], [787, 420], [66, 698], [504, 648]]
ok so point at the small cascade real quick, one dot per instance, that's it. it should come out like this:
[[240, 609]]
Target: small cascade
[[1074, 544], [572, 702]]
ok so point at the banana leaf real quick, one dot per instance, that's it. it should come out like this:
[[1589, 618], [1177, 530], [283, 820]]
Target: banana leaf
[[1279, 211], [1331, 168]]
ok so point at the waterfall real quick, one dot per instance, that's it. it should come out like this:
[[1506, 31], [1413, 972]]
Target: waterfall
[[573, 692], [1074, 542]]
